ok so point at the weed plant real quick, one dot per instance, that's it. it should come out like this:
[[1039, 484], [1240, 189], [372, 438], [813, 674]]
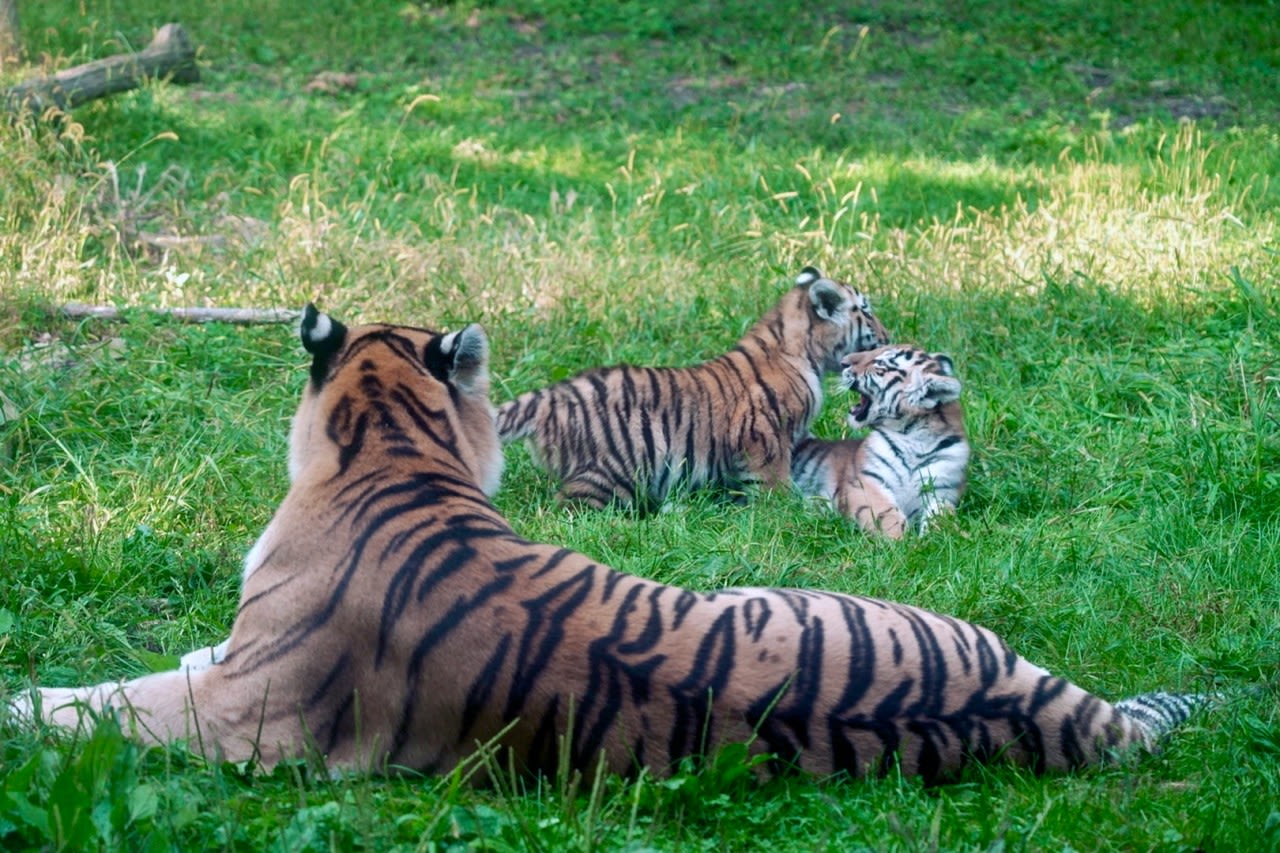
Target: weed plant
[[1077, 202]]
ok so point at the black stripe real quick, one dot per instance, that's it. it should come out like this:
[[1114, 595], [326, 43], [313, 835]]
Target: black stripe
[[694, 725], [755, 615], [481, 690], [545, 618], [611, 659], [785, 727], [461, 611]]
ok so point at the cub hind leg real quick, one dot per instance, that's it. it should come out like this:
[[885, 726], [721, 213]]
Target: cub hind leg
[[768, 462], [597, 487]]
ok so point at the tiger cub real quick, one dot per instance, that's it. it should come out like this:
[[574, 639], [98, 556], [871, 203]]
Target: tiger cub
[[911, 466], [390, 617], [630, 434]]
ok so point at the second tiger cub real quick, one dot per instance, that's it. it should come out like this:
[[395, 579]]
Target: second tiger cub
[[911, 466], [627, 435]]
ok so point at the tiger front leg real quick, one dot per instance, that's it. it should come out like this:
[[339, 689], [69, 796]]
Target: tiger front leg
[[872, 508], [932, 506], [160, 708], [153, 708], [768, 463]]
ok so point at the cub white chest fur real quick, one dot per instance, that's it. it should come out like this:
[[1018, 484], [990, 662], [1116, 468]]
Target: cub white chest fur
[[923, 475]]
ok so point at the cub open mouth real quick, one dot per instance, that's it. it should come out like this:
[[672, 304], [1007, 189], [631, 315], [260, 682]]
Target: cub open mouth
[[862, 409]]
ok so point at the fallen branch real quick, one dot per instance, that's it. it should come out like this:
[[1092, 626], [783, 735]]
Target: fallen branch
[[77, 310], [170, 54]]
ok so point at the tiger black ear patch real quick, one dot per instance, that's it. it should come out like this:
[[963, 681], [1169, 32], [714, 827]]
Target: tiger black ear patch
[[460, 357], [808, 275], [322, 336], [941, 387], [830, 300]]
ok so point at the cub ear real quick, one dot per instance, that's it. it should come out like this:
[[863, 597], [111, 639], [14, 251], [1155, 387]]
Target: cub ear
[[460, 357], [322, 336], [830, 300], [937, 389], [808, 275]]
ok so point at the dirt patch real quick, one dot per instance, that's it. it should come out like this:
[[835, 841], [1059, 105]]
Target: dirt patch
[[1128, 111], [1095, 77], [332, 82], [688, 91], [1131, 101]]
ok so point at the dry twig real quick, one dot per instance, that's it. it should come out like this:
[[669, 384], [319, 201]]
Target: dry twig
[[246, 316]]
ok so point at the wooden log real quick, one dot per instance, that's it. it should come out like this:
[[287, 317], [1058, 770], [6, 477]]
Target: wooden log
[[170, 54], [77, 310]]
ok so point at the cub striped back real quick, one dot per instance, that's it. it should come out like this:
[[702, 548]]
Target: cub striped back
[[630, 434], [911, 466], [390, 617]]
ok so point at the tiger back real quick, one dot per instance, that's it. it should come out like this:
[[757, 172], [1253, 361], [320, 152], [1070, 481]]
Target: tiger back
[[628, 435], [912, 465], [390, 617]]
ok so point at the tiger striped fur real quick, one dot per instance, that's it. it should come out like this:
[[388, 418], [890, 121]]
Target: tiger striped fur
[[390, 617], [911, 466], [630, 434]]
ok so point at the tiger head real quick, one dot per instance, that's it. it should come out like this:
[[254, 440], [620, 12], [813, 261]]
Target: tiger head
[[411, 394], [841, 320], [898, 382]]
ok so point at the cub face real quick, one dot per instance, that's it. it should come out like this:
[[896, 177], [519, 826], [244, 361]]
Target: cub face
[[898, 382], [841, 319], [375, 376]]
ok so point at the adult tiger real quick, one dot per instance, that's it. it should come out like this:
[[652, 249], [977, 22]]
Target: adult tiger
[[630, 434], [911, 466], [390, 616]]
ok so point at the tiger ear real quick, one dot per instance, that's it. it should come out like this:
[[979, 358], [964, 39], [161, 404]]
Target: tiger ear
[[830, 301], [937, 389], [322, 336], [461, 357], [808, 275]]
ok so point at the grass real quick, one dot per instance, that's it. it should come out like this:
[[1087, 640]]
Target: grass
[[1075, 201]]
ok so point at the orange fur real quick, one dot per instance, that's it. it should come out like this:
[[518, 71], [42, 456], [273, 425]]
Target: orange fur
[[628, 435], [911, 466], [390, 616]]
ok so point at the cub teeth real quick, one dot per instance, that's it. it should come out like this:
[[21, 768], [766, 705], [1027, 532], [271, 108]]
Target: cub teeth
[[861, 409]]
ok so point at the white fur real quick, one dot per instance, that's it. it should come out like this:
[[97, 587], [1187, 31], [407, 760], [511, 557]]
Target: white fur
[[920, 489], [323, 328], [204, 658]]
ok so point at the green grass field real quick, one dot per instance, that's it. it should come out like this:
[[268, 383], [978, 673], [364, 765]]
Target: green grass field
[[1077, 201]]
